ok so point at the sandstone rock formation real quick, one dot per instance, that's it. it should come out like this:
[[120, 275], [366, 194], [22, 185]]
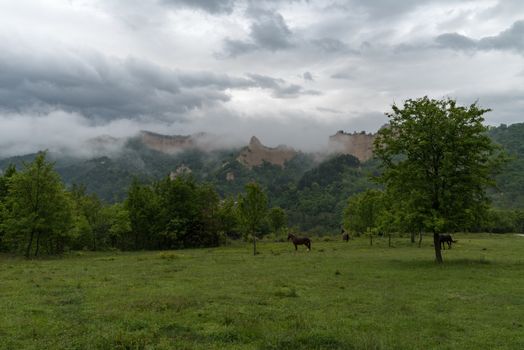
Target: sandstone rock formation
[[359, 145], [172, 144], [181, 170], [255, 154]]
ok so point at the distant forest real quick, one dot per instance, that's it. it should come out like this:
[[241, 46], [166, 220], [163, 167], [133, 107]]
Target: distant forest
[[312, 193]]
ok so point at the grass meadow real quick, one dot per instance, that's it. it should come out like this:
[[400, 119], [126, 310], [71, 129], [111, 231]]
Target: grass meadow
[[338, 296]]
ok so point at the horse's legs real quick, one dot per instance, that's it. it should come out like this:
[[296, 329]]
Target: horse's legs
[[295, 247]]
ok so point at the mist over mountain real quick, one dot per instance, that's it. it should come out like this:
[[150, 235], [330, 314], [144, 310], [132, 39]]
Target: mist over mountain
[[313, 187]]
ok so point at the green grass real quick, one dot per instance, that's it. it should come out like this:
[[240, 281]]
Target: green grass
[[338, 296]]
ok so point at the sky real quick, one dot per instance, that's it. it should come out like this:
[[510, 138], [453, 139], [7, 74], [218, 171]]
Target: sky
[[288, 71]]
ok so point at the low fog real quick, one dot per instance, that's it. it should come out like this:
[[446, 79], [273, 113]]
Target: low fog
[[72, 134]]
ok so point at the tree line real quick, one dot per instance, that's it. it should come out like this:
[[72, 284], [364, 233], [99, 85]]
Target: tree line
[[436, 163], [39, 215]]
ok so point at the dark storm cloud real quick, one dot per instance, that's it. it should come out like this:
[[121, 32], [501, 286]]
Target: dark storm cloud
[[455, 41], [211, 6], [268, 31], [108, 88], [279, 87], [97, 86], [511, 39]]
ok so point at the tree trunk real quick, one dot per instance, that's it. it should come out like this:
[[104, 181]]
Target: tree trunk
[[389, 240], [419, 239], [438, 254], [412, 236], [37, 243], [29, 246], [254, 245]]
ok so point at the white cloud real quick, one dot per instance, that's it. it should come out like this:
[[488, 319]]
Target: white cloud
[[117, 66]]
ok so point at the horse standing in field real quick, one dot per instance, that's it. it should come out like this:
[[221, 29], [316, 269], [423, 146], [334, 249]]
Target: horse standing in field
[[345, 235], [299, 241], [446, 239]]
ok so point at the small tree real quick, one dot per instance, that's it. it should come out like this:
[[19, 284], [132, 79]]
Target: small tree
[[227, 218], [39, 210], [363, 212], [142, 206], [277, 219], [119, 224], [252, 209], [437, 160]]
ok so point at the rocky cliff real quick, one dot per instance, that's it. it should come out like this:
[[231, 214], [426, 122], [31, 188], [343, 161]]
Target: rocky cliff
[[359, 145], [172, 144], [256, 154]]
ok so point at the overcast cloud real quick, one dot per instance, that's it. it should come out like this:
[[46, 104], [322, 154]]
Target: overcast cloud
[[290, 71]]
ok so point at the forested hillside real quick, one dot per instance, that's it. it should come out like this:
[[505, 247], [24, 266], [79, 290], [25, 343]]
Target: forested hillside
[[313, 189], [510, 182]]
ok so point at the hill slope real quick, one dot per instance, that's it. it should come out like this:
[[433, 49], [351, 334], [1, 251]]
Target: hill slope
[[312, 188]]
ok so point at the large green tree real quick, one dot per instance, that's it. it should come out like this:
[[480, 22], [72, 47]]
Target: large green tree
[[252, 207], [438, 160], [39, 212]]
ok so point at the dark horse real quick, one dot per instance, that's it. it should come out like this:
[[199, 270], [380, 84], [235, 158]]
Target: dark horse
[[299, 240], [446, 239], [345, 235]]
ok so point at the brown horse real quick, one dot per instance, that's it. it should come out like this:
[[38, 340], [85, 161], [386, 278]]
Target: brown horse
[[345, 237], [299, 240], [446, 239]]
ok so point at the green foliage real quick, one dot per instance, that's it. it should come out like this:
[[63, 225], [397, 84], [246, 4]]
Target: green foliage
[[317, 203], [437, 152], [92, 222], [173, 214], [510, 182], [4, 190], [277, 219], [38, 212], [252, 209], [143, 207], [313, 192], [438, 161], [228, 220], [364, 212], [501, 221]]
